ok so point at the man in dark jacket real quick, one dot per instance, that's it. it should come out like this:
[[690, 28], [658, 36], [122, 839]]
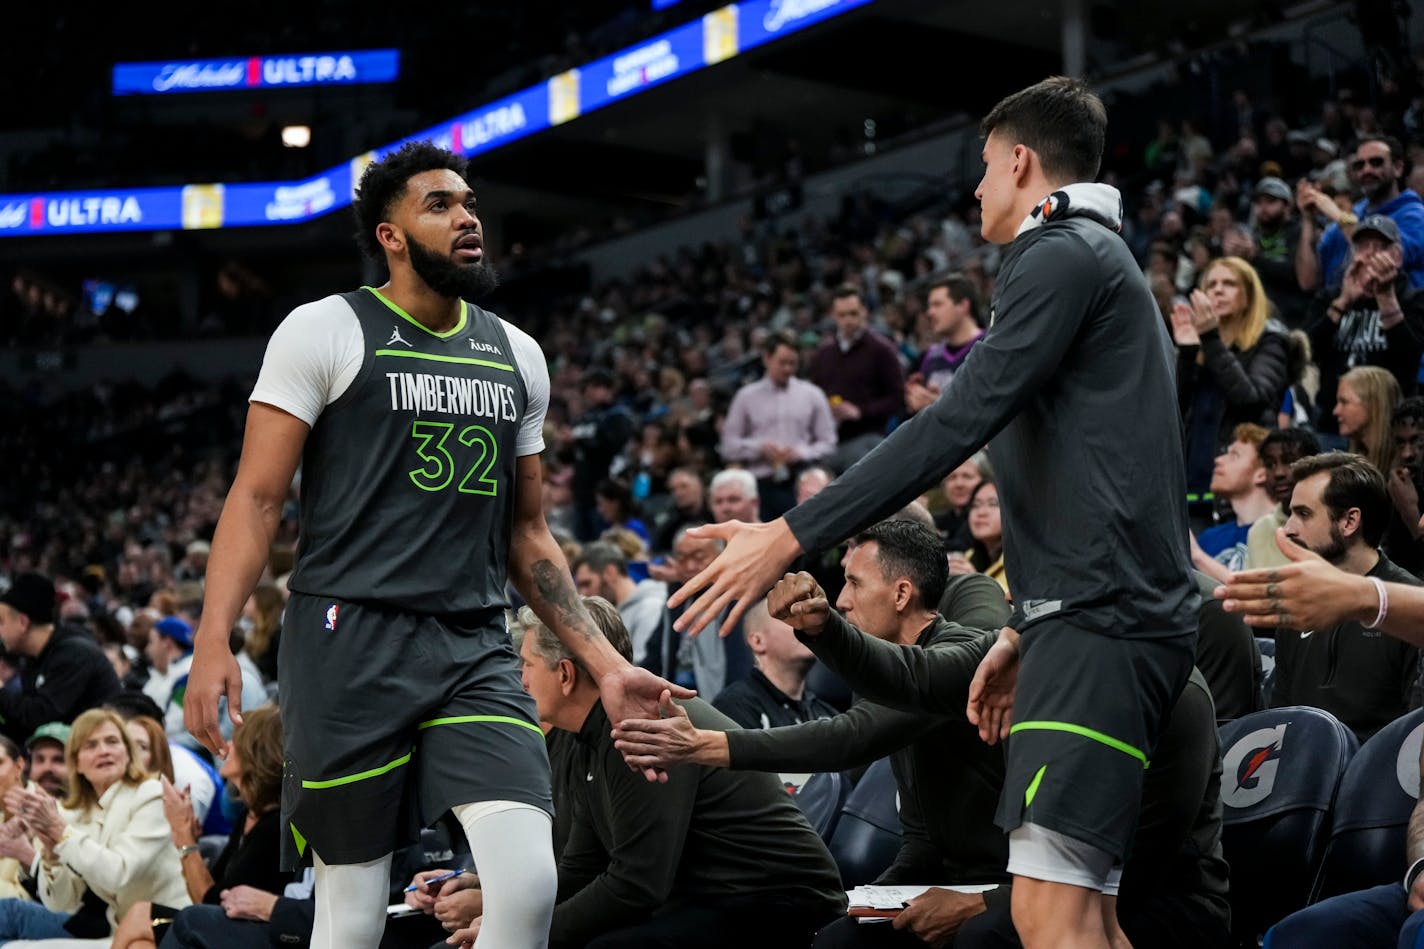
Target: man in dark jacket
[[709, 858], [948, 780], [861, 374], [599, 434], [65, 673], [1371, 318]]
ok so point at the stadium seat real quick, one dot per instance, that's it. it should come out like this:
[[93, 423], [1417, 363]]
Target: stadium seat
[[1377, 796], [1281, 769], [867, 835], [821, 799]]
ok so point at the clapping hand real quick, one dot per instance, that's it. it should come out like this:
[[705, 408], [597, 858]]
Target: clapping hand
[[183, 824], [39, 814], [15, 842], [1184, 330], [1204, 317], [1354, 285], [1380, 273]]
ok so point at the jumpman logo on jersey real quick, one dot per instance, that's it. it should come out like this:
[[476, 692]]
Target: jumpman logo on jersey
[[396, 337]]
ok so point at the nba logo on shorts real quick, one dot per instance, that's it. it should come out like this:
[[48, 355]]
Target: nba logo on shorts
[[331, 616]]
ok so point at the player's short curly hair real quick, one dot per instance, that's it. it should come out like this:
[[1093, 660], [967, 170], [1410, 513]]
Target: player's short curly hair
[[383, 183]]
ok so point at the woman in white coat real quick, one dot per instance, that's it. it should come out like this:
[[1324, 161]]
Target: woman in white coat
[[106, 848]]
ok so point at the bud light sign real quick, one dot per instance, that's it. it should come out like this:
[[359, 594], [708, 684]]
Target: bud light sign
[[257, 72]]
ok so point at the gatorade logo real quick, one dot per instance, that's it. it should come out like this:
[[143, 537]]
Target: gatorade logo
[[1249, 768]]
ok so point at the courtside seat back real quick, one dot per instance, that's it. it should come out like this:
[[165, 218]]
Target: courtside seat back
[[1377, 796], [1281, 771], [867, 836], [821, 799]]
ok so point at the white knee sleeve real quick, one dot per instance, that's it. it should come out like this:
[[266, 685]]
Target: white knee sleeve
[[514, 855], [351, 904]]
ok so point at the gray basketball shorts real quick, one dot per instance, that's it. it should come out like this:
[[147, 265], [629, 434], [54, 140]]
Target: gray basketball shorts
[[392, 718], [1088, 711]]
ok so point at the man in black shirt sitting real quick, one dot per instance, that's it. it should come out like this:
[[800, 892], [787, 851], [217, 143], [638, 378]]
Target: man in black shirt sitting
[[912, 677], [774, 693], [710, 858], [948, 779]]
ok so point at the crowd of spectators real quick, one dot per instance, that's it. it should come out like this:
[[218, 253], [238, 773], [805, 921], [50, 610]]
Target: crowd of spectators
[[729, 381]]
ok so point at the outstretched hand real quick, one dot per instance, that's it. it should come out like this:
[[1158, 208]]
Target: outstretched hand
[[657, 743], [1307, 593], [632, 692], [755, 557], [991, 693]]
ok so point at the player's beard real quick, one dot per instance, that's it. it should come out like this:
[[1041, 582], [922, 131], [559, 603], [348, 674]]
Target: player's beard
[[463, 281]]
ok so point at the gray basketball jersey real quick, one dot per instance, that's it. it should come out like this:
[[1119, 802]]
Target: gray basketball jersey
[[407, 478]]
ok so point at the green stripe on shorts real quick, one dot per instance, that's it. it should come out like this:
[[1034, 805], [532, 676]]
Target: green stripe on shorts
[[497, 719], [353, 778], [1072, 729], [1033, 786]]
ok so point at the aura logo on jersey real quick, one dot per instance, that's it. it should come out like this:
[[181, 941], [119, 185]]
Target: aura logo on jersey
[[1249, 768], [783, 12]]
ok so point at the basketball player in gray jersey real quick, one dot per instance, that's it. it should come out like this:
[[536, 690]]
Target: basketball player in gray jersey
[[417, 419]]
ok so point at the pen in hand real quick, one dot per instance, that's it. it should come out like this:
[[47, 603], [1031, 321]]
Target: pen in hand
[[434, 880]]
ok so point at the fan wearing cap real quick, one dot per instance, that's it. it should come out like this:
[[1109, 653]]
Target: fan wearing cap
[[1372, 317], [65, 673], [1376, 168], [170, 652], [1272, 251]]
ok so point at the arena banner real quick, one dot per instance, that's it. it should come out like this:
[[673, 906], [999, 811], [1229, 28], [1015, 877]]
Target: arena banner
[[78, 212], [351, 67], [655, 61], [720, 35]]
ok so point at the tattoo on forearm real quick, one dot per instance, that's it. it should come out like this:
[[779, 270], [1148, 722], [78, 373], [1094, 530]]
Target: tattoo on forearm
[[557, 590]]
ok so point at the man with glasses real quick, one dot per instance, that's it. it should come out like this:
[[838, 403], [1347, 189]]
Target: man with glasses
[[1377, 167]]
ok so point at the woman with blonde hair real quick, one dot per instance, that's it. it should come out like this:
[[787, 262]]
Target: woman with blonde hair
[[1364, 404], [1232, 362], [105, 848]]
